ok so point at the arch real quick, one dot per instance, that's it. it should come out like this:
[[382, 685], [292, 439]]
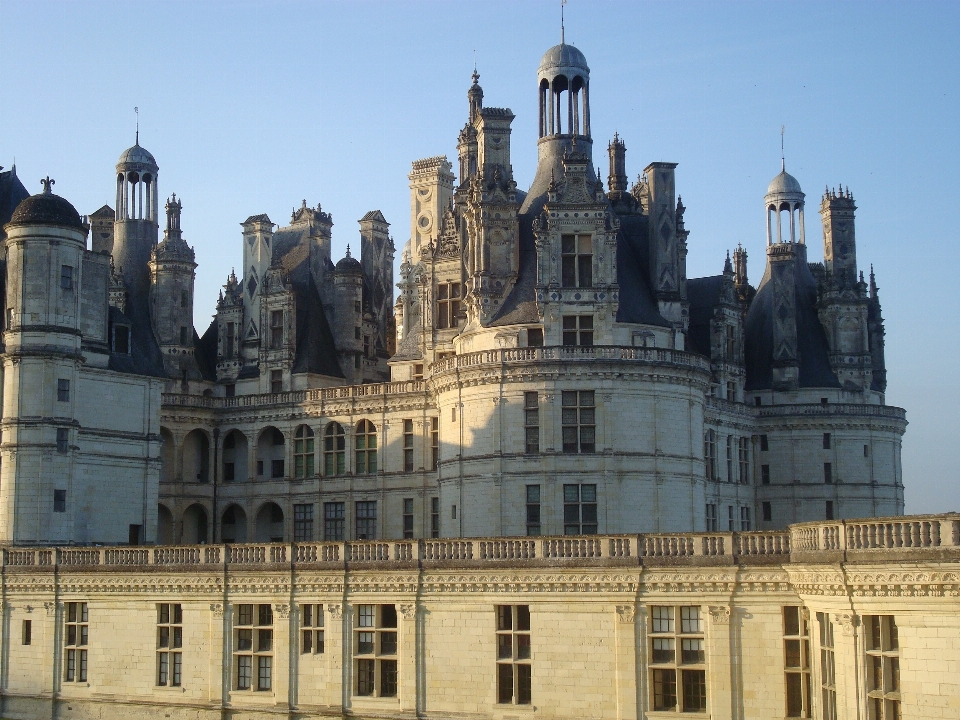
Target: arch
[[271, 451], [164, 525], [233, 525], [366, 448], [334, 450], [303, 452], [269, 525], [193, 529], [196, 457], [235, 456], [168, 456]]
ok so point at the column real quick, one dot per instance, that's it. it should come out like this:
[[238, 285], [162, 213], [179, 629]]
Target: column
[[337, 652], [803, 239], [628, 662], [576, 113], [119, 203], [552, 112], [569, 107], [220, 659], [721, 664], [542, 117], [793, 225], [769, 227], [847, 641], [586, 108]]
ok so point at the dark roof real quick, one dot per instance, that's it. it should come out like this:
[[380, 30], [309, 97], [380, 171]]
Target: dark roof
[[349, 264], [257, 218], [812, 347], [144, 357], [704, 296], [637, 303], [46, 209], [205, 351], [12, 193], [105, 211], [375, 215]]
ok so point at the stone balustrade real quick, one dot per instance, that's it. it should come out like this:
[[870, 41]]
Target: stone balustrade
[[312, 395], [867, 539], [507, 356]]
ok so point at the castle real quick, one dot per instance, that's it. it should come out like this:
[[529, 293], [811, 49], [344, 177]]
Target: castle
[[548, 368]]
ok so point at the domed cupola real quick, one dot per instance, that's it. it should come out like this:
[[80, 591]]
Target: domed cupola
[[784, 196], [564, 80], [137, 197], [47, 209], [349, 264]]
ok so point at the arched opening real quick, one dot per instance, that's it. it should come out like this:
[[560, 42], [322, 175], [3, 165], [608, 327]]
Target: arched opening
[[168, 456], [270, 453], [235, 454], [164, 525], [194, 526], [196, 457], [560, 94], [233, 526], [270, 523], [578, 102], [366, 448], [334, 450], [303, 457], [544, 107]]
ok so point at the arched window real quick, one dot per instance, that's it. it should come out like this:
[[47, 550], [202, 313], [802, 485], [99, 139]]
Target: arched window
[[303, 452], [334, 450], [366, 448]]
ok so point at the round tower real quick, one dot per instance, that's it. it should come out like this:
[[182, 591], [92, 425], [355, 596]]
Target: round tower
[[136, 229], [348, 310]]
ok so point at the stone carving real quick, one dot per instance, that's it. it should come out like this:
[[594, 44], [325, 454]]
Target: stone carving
[[336, 611], [409, 612], [282, 611], [847, 623], [627, 613], [51, 608], [720, 614], [216, 609]]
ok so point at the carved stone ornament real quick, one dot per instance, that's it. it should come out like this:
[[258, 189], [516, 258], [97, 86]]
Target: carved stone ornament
[[50, 607], [216, 609], [282, 611], [847, 623], [336, 611], [409, 612], [627, 613], [720, 614]]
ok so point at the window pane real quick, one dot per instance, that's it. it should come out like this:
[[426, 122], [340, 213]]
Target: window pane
[[694, 690], [505, 683], [664, 650], [365, 677], [523, 617], [523, 684], [588, 493], [664, 689]]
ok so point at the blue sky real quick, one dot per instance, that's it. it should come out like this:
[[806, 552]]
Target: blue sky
[[251, 107]]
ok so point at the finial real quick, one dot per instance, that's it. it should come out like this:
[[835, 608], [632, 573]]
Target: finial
[[348, 249], [783, 160], [47, 184], [562, 3], [476, 75], [137, 111]]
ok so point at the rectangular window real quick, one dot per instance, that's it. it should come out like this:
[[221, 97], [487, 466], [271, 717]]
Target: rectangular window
[[731, 349], [303, 523], [534, 337], [434, 443], [883, 666], [578, 418], [866, 451], [63, 440], [276, 468], [796, 662], [828, 514], [333, 521], [580, 509], [533, 510], [710, 454], [730, 518], [418, 371], [531, 423], [730, 459], [230, 389], [311, 630], [184, 335], [253, 647], [744, 460], [366, 520], [121, 339], [66, 277], [435, 517], [408, 518], [764, 443], [26, 635], [375, 650], [448, 305], [259, 468], [826, 441], [184, 298], [276, 381], [334, 450], [678, 657], [711, 517], [767, 512], [576, 252], [732, 391], [169, 644], [765, 474], [276, 329], [828, 669], [231, 340], [828, 473], [514, 655], [76, 638], [59, 501], [745, 518], [63, 390], [577, 330], [408, 446]]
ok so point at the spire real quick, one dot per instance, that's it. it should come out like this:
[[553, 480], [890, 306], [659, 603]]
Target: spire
[[348, 250], [562, 40], [783, 160], [727, 266], [137, 111]]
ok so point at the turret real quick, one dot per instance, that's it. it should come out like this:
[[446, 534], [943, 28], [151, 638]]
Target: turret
[[348, 309], [839, 239], [617, 179]]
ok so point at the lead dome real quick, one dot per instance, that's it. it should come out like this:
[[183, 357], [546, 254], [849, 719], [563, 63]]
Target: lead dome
[[563, 55], [783, 184], [137, 155]]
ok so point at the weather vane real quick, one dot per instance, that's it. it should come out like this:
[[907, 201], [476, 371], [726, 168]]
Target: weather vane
[[562, 3], [783, 161], [137, 111]]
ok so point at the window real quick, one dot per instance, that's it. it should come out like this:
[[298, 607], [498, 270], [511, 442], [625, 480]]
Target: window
[[824, 401], [796, 661], [531, 423], [230, 389], [764, 443], [435, 517], [730, 518], [731, 351], [577, 330], [231, 340], [418, 371], [533, 509], [866, 451], [711, 517], [276, 468], [828, 514], [184, 298], [276, 381], [366, 448], [731, 391], [311, 629], [514, 654], [757, 401], [535, 337], [744, 447], [677, 652], [828, 473], [121, 339], [76, 637], [826, 441], [434, 443], [767, 512], [11, 316], [63, 440], [63, 390], [66, 277], [303, 452], [408, 518], [408, 446], [828, 668], [765, 474], [169, 642], [253, 647], [710, 454], [576, 252], [26, 636], [744, 518], [448, 305], [333, 521], [59, 500], [303, 522], [883, 667], [578, 421], [375, 650], [334, 450], [276, 329], [366, 520], [184, 335], [730, 452], [579, 509]]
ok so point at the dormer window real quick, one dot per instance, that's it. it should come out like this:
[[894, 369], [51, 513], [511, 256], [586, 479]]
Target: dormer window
[[577, 261], [121, 339], [66, 277]]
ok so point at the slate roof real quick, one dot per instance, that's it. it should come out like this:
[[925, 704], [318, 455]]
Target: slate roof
[[144, 357], [704, 296], [12, 193], [375, 215]]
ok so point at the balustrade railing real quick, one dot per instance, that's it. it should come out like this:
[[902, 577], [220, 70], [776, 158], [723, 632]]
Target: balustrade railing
[[863, 536], [594, 352], [294, 396]]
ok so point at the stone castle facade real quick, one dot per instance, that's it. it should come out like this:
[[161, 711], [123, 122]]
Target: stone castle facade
[[547, 368]]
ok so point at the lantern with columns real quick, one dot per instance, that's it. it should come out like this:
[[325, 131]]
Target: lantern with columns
[[784, 195], [137, 197]]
